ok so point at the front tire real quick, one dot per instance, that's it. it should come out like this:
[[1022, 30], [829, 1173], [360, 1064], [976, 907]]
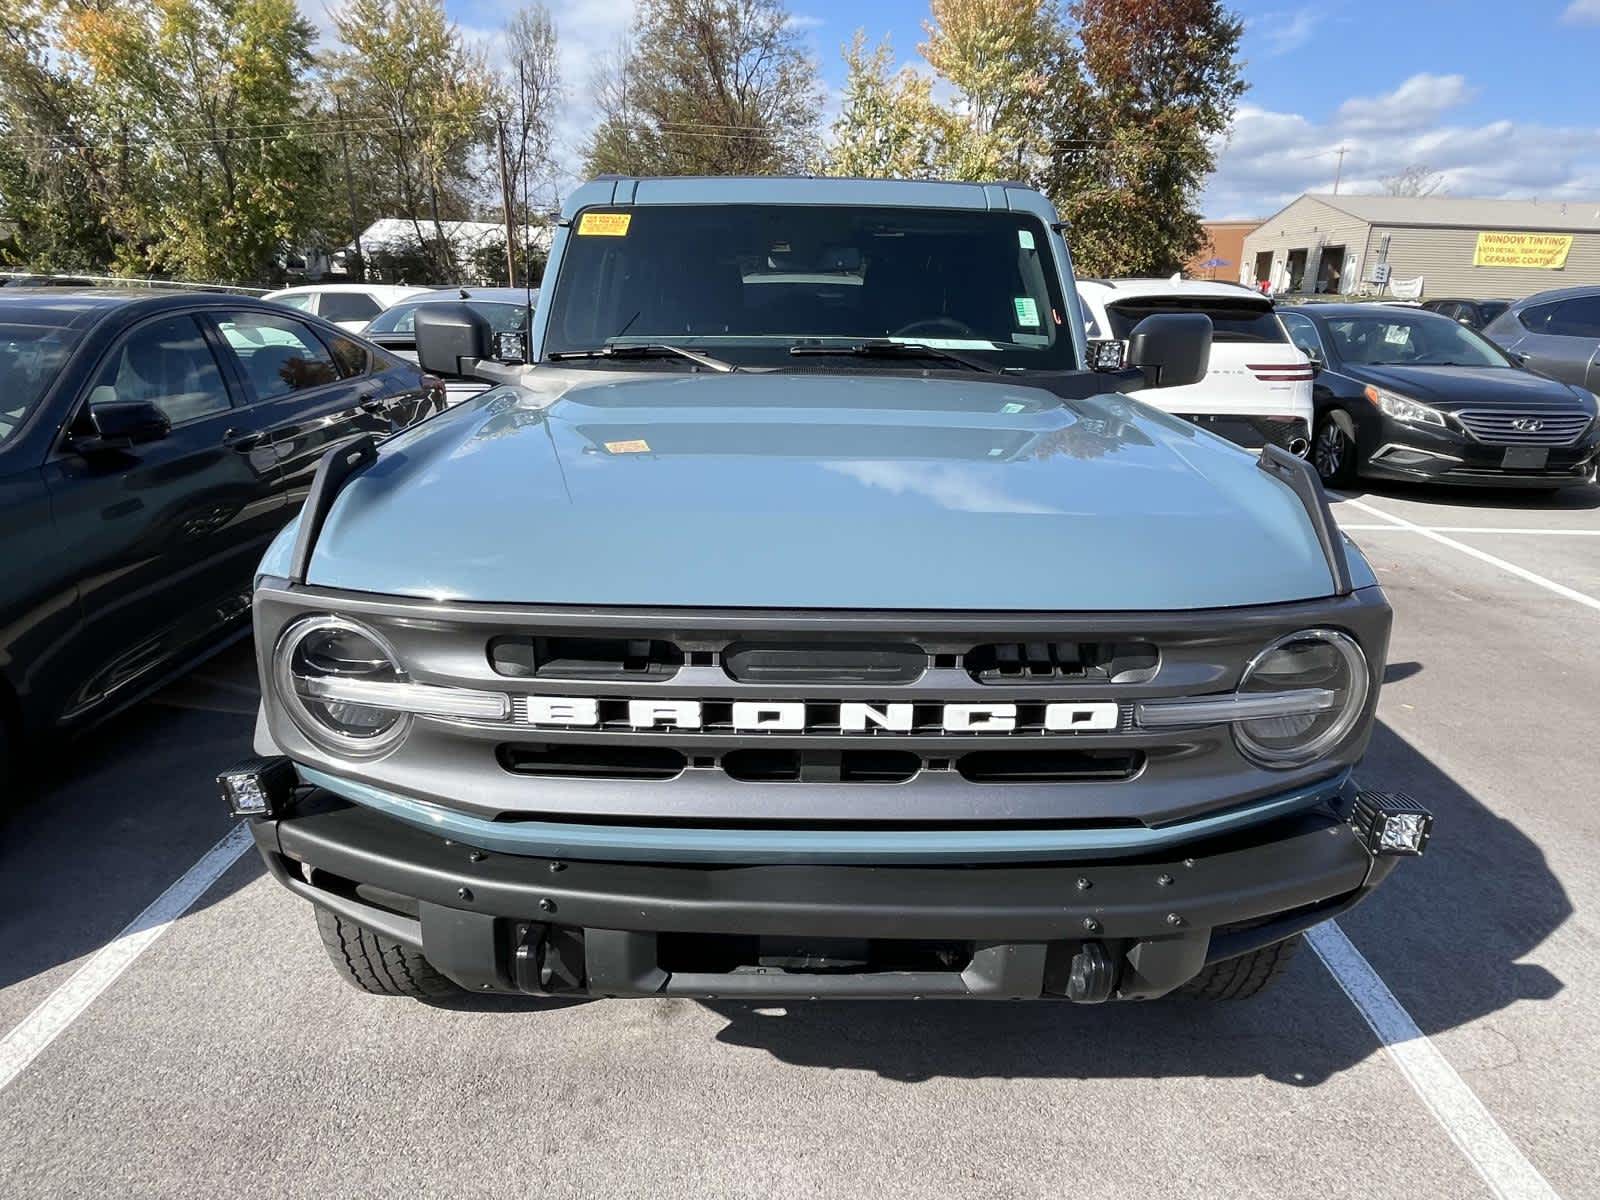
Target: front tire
[[373, 963], [1245, 976], [1333, 453]]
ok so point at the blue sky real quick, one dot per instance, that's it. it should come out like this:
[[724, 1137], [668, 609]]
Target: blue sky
[[1498, 97]]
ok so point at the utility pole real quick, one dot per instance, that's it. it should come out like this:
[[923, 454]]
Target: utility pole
[[507, 205], [350, 193], [1338, 172]]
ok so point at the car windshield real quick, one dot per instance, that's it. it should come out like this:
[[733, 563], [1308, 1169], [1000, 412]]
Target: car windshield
[[402, 318], [1414, 339], [749, 282], [1242, 320], [30, 358]]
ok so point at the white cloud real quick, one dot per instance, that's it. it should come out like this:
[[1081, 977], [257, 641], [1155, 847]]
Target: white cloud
[[1582, 12], [1415, 104], [803, 21], [1286, 32], [1271, 157]]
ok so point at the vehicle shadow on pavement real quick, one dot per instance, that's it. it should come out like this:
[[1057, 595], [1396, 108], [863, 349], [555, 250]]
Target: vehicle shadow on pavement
[[111, 819], [1577, 498], [1446, 932]]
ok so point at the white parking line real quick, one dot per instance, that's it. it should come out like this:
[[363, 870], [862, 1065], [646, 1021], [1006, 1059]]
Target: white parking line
[[1511, 568], [1456, 1106], [1520, 531], [63, 1006]]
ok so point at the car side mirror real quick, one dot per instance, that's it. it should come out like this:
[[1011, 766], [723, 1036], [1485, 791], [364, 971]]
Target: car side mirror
[[452, 339], [1172, 349], [1314, 358], [120, 424], [1517, 358]]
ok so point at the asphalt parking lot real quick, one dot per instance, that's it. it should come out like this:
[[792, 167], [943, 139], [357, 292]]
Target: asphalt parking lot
[[228, 1058]]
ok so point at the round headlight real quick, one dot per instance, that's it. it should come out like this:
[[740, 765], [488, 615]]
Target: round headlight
[[1322, 662], [318, 651]]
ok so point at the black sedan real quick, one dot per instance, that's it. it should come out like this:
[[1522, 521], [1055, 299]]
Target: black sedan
[[1401, 393], [151, 444]]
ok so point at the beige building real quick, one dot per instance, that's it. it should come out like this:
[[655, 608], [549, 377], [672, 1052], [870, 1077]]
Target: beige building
[[1415, 247]]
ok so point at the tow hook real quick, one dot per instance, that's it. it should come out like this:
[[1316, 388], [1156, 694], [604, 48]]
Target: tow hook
[[548, 960], [1091, 976]]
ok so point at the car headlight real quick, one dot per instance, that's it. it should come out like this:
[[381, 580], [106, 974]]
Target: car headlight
[[345, 689], [1402, 409], [322, 666], [1322, 679]]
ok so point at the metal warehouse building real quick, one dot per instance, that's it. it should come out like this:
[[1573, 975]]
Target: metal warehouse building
[[1414, 247]]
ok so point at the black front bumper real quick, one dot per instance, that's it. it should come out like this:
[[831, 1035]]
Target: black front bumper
[[507, 923], [1418, 454]]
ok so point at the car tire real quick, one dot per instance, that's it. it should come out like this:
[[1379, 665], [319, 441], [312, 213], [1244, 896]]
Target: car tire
[[373, 963], [1245, 976], [1333, 453]]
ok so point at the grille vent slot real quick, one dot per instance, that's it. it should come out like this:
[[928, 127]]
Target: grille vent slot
[[639, 659], [1049, 766], [592, 762], [1056, 662], [881, 664]]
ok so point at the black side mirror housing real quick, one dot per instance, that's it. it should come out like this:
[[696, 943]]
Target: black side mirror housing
[[1517, 357], [121, 424], [1172, 349], [452, 339]]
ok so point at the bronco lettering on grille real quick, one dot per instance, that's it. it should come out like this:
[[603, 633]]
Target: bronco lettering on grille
[[798, 716]]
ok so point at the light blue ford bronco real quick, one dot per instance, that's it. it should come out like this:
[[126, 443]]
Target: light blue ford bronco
[[808, 612]]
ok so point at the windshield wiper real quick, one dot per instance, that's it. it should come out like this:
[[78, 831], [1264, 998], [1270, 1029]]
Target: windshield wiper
[[646, 350], [882, 348]]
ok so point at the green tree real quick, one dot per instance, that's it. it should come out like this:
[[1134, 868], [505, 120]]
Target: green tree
[[1132, 133], [710, 87], [58, 169], [1001, 57], [211, 97], [888, 125], [418, 100]]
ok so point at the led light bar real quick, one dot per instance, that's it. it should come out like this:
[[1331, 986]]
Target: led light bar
[[420, 699], [1216, 710]]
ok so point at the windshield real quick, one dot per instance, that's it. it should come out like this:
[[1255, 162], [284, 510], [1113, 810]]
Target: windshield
[[1410, 339], [749, 282], [402, 318], [1231, 321], [30, 358]]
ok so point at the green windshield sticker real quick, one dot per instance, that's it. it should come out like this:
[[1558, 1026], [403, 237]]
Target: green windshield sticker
[[1025, 239], [1027, 310], [1013, 407]]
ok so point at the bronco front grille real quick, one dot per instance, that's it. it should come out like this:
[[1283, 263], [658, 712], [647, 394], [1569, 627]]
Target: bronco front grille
[[1520, 427]]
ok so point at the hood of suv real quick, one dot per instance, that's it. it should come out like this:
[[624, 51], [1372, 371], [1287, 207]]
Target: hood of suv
[[817, 490]]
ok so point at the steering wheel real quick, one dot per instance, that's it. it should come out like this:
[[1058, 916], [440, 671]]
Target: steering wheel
[[935, 325]]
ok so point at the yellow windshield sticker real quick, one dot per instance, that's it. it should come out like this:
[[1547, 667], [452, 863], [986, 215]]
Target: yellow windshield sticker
[[637, 446], [597, 224]]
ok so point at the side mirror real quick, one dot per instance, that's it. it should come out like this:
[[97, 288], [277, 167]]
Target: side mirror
[[452, 339], [119, 424], [1172, 349], [1314, 357], [1517, 358]]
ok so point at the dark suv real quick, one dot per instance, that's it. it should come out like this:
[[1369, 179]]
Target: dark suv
[[1555, 333], [150, 446]]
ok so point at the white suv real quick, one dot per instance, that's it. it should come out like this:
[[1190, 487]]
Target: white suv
[[1258, 387], [348, 305]]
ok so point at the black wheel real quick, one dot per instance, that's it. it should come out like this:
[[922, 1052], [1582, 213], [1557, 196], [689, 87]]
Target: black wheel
[[373, 963], [1245, 976], [1333, 453]]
